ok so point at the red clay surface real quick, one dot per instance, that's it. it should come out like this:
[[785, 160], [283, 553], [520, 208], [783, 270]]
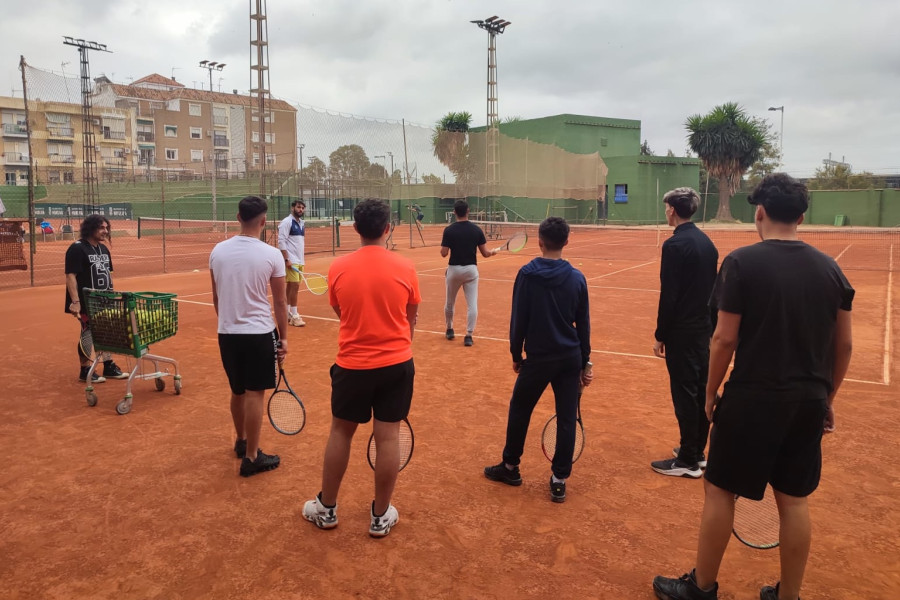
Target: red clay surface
[[150, 505]]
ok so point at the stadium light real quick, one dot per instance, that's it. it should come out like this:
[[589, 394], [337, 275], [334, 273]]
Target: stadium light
[[211, 66], [781, 134]]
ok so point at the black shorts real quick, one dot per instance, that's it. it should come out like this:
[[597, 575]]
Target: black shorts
[[357, 394], [249, 360], [756, 441]]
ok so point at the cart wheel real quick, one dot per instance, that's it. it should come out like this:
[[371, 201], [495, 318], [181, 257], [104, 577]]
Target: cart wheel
[[91, 398], [178, 387], [160, 384], [124, 407]]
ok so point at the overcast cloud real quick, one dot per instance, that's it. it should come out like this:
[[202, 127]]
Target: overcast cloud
[[835, 67]]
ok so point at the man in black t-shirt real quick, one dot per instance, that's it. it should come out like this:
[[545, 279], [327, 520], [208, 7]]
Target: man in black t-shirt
[[460, 241], [89, 265], [784, 314], [683, 327]]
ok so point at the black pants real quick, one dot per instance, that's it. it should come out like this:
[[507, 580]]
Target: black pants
[[564, 376], [687, 359]]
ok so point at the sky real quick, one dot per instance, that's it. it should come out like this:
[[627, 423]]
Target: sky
[[834, 67]]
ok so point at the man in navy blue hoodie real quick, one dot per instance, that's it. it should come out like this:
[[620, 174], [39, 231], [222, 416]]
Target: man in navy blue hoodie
[[551, 321]]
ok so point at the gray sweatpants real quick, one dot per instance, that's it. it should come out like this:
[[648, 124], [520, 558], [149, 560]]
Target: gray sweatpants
[[467, 278]]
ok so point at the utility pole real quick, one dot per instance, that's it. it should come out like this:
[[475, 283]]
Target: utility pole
[[213, 66]]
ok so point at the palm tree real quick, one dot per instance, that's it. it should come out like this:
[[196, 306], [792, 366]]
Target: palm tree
[[450, 143], [728, 142]]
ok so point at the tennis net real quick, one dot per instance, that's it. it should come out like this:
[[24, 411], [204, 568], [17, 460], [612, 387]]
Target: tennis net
[[854, 248]]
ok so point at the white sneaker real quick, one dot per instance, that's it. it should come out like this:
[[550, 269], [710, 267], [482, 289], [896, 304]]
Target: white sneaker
[[319, 514], [381, 526], [296, 320]]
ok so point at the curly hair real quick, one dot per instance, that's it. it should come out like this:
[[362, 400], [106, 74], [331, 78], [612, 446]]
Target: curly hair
[[91, 225], [784, 198], [371, 217]]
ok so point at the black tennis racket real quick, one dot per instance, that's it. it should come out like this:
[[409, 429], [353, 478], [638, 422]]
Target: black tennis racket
[[548, 437], [407, 441], [756, 523], [86, 341], [286, 412], [515, 243]]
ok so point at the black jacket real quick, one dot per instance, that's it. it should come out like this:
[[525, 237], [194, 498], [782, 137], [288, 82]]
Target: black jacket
[[687, 274], [550, 316]]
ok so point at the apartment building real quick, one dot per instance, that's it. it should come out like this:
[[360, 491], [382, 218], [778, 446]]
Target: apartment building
[[180, 130], [153, 126]]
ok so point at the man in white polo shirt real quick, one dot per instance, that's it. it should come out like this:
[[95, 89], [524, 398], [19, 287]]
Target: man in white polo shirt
[[242, 269], [292, 243]]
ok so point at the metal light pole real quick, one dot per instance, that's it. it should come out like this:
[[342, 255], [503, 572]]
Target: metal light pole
[[300, 147], [391, 174], [781, 136], [383, 158], [213, 66]]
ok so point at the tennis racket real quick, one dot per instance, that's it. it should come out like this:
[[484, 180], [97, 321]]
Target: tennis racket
[[286, 412], [548, 437], [515, 243], [406, 445], [756, 523], [86, 341], [315, 283]]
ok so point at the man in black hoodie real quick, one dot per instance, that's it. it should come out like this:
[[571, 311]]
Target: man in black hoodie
[[551, 320]]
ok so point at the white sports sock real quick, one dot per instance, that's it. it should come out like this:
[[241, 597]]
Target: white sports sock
[[293, 310], [556, 479]]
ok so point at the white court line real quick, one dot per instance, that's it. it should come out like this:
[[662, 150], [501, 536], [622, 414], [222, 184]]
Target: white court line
[[597, 287], [887, 320], [506, 341], [623, 270], [838, 257]]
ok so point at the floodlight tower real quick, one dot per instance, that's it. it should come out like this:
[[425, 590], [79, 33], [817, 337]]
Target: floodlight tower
[[211, 66], [259, 70], [493, 25], [89, 148]]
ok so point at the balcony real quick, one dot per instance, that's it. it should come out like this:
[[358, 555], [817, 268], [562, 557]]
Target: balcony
[[113, 135], [60, 131], [15, 158], [220, 120], [145, 136], [62, 158], [15, 130], [220, 141]]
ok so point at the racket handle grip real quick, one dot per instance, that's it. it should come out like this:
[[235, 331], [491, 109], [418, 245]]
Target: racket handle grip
[[589, 367]]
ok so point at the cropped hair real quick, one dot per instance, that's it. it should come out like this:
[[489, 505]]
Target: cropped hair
[[91, 224], [683, 200], [251, 207], [297, 201], [554, 232], [460, 208], [371, 216]]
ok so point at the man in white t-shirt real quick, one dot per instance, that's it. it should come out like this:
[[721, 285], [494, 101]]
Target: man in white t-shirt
[[242, 268], [292, 243]]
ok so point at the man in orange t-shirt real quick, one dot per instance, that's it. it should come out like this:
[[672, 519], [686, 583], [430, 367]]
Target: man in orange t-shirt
[[376, 296]]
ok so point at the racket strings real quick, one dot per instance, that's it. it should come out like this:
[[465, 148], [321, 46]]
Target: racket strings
[[756, 523], [286, 412], [317, 284], [548, 439], [405, 443]]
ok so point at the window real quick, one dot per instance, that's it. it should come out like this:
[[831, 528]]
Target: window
[[173, 105], [220, 117], [68, 177], [194, 110], [270, 138], [196, 155], [270, 117], [270, 159], [196, 133], [256, 158], [255, 136], [171, 130], [171, 153], [621, 196]]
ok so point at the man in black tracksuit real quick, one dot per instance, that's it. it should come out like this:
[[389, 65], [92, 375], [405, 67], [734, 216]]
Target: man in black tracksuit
[[683, 328], [551, 321]]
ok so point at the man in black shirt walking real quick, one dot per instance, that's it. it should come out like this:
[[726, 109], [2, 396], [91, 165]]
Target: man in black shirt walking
[[460, 241], [784, 314], [683, 328]]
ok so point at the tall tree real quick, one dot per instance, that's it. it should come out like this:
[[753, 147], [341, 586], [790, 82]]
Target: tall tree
[[646, 150], [315, 172], [431, 179], [728, 142], [451, 145], [348, 162]]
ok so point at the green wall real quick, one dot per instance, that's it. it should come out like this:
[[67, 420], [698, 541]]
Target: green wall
[[580, 134], [648, 178]]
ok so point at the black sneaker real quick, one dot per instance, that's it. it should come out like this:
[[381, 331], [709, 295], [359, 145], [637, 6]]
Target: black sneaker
[[674, 467], [240, 448], [263, 462], [468, 341], [94, 377], [768, 592], [112, 371], [450, 334], [701, 462], [683, 588], [503, 475], [557, 490]]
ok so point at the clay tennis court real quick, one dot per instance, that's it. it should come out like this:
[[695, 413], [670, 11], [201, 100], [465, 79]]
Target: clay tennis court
[[150, 504]]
